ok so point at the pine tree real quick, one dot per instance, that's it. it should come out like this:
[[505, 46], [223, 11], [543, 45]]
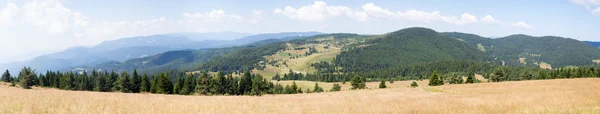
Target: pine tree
[[382, 84], [357, 83], [6, 76], [202, 84], [188, 85], [336, 87], [136, 82], [435, 79], [178, 85], [414, 84], [317, 88], [470, 78], [145, 84], [100, 84], [245, 83], [26, 76], [124, 83], [162, 84], [294, 88]]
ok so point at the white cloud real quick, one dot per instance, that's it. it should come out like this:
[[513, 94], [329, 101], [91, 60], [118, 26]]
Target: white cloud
[[257, 15], [522, 25], [213, 16], [592, 5], [8, 14], [319, 11], [490, 20], [596, 11]]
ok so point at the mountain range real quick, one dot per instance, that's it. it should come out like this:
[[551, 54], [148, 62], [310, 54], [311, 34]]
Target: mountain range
[[142, 46]]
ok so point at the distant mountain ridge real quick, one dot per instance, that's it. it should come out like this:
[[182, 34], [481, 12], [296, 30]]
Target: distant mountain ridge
[[595, 44], [141, 46]]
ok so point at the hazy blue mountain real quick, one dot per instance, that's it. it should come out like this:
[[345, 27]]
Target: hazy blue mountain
[[595, 44], [210, 35], [259, 37], [124, 49]]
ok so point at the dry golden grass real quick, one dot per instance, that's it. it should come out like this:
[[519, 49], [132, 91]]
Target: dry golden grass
[[543, 96]]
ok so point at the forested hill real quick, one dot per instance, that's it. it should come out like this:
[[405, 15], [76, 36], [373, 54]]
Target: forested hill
[[547, 51], [406, 47]]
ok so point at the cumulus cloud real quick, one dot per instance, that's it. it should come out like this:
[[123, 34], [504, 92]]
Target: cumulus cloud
[[319, 11], [490, 20], [592, 5], [213, 16], [8, 14], [596, 11], [522, 25]]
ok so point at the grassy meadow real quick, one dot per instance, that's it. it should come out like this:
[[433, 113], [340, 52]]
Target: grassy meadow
[[540, 96]]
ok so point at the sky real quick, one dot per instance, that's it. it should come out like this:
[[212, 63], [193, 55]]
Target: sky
[[30, 28]]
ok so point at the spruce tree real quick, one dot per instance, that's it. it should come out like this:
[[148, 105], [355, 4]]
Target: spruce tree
[[145, 84], [163, 85], [435, 79], [26, 77], [317, 88], [414, 84], [124, 83], [336, 87], [188, 85], [136, 82], [100, 84], [470, 78], [382, 84], [357, 83], [245, 83], [178, 85], [6, 76]]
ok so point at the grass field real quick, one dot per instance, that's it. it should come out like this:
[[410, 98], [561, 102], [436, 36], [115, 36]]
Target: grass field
[[542, 96]]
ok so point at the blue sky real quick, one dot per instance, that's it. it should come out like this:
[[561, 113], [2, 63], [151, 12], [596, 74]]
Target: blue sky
[[29, 28]]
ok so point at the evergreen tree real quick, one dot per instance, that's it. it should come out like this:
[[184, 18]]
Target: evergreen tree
[[414, 84], [26, 77], [188, 85], [100, 84], [336, 87], [276, 77], [471, 78], [357, 83], [136, 82], [202, 84], [6, 76], [178, 85], [145, 84], [124, 83], [294, 88], [435, 79], [317, 88], [162, 84], [382, 84], [245, 83]]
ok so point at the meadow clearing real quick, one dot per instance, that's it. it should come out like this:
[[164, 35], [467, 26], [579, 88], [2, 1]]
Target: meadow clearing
[[540, 96]]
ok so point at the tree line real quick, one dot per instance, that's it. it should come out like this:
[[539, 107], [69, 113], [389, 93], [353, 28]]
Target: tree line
[[162, 83]]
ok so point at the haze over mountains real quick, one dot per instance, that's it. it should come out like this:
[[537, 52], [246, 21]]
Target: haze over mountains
[[391, 52], [141, 46]]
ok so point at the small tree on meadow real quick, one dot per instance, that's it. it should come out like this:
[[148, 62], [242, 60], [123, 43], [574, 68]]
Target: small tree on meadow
[[26, 78], [414, 84], [317, 88], [382, 84], [357, 83], [435, 79], [470, 78], [336, 87]]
